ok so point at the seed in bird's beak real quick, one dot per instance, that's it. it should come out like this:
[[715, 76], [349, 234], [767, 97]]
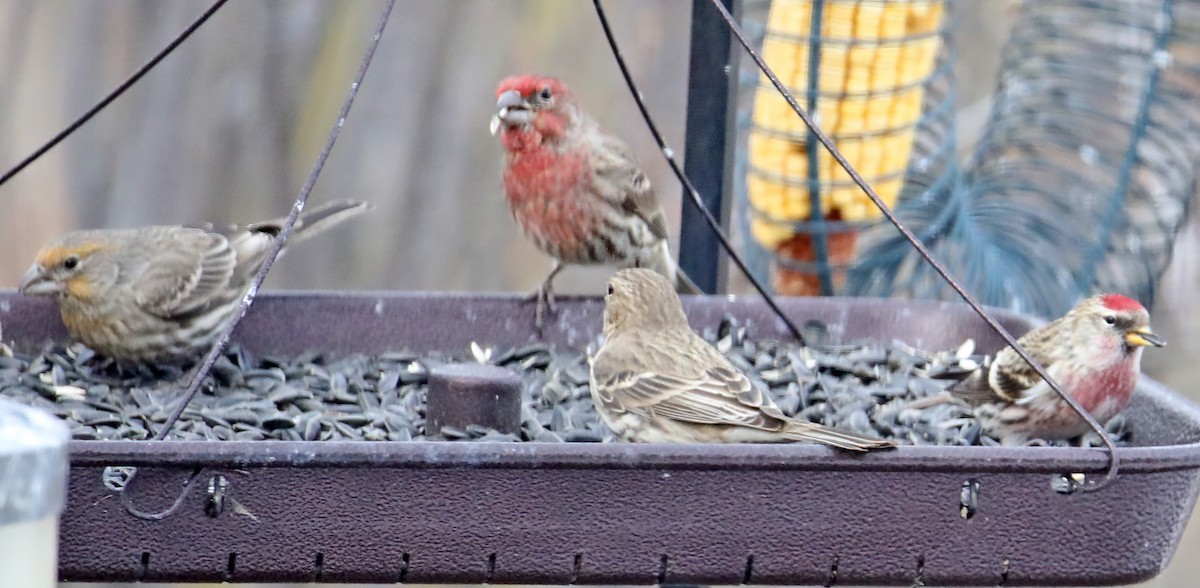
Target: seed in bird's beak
[[512, 111], [36, 283]]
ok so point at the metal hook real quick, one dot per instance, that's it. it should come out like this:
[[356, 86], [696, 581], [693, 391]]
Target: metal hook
[[127, 501]]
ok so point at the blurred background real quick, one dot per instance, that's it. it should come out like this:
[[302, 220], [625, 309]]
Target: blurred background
[[227, 128]]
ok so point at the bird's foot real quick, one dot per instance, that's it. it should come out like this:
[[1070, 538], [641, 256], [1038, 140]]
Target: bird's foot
[[544, 299]]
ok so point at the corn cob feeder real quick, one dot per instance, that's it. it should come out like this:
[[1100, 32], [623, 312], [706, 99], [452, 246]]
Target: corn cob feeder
[[862, 67]]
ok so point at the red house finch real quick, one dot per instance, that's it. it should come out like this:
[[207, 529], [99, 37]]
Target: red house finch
[[656, 381], [1094, 352], [575, 190], [160, 292]]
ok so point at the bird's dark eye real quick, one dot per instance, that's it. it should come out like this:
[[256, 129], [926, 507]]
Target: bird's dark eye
[[71, 262], [610, 289], [546, 94], [1110, 319]]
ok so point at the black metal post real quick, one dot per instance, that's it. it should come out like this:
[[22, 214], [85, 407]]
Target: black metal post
[[711, 114]]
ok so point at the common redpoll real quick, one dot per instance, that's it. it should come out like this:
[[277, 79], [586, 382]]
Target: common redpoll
[[1094, 352]]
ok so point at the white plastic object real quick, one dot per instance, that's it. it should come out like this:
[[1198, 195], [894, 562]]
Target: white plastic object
[[33, 489]]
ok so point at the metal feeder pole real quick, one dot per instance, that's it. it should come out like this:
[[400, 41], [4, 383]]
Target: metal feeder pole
[[709, 139]]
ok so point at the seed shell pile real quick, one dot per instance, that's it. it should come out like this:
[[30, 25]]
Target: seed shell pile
[[862, 387]]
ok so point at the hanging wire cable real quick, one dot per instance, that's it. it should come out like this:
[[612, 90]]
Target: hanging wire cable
[[285, 231], [201, 372], [1112, 468], [133, 79], [687, 184]]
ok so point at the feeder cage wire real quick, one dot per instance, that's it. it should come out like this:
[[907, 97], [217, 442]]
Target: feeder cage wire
[[1080, 184], [878, 78], [1085, 172]]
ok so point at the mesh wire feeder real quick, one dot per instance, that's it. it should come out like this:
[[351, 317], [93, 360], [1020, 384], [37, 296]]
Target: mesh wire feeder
[[1080, 184], [868, 70], [1085, 172]]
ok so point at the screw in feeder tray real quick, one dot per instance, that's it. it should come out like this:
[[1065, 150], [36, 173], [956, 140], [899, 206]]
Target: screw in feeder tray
[[473, 394], [969, 499], [1067, 483], [214, 502]]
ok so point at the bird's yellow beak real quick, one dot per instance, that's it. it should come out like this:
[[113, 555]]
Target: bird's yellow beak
[[35, 282], [1143, 338]]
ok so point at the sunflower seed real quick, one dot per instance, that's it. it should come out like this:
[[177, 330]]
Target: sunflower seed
[[861, 386]]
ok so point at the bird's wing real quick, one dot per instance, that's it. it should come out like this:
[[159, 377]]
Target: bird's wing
[[719, 399], [974, 389], [614, 165], [712, 395], [1008, 378], [1013, 379], [195, 265], [190, 268]]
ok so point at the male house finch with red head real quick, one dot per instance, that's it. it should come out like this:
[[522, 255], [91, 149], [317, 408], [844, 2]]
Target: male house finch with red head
[[575, 190], [1094, 352], [656, 381], [161, 292]]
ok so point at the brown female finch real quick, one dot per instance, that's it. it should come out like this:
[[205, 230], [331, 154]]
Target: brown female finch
[[575, 190], [655, 381], [161, 292], [1094, 352]]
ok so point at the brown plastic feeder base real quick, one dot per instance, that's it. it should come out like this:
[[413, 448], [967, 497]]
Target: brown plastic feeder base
[[618, 513]]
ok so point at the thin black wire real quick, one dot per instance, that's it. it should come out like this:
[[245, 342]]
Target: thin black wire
[[127, 499], [285, 231], [133, 79], [1111, 471], [683, 179]]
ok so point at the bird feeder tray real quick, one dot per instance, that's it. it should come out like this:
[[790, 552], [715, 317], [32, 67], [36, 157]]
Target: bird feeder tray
[[616, 513]]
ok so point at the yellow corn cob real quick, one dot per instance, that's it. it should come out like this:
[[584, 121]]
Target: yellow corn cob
[[874, 56]]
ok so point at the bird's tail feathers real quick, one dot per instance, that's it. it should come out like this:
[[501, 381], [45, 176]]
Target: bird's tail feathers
[[811, 433], [943, 397], [684, 284], [317, 220], [663, 263]]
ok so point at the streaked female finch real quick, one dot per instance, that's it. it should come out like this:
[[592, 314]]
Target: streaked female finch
[[654, 380], [161, 292], [576, 191], [1094, 352]]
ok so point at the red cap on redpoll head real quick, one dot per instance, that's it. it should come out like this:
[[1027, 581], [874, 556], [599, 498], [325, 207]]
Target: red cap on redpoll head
[[1120, 303]]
